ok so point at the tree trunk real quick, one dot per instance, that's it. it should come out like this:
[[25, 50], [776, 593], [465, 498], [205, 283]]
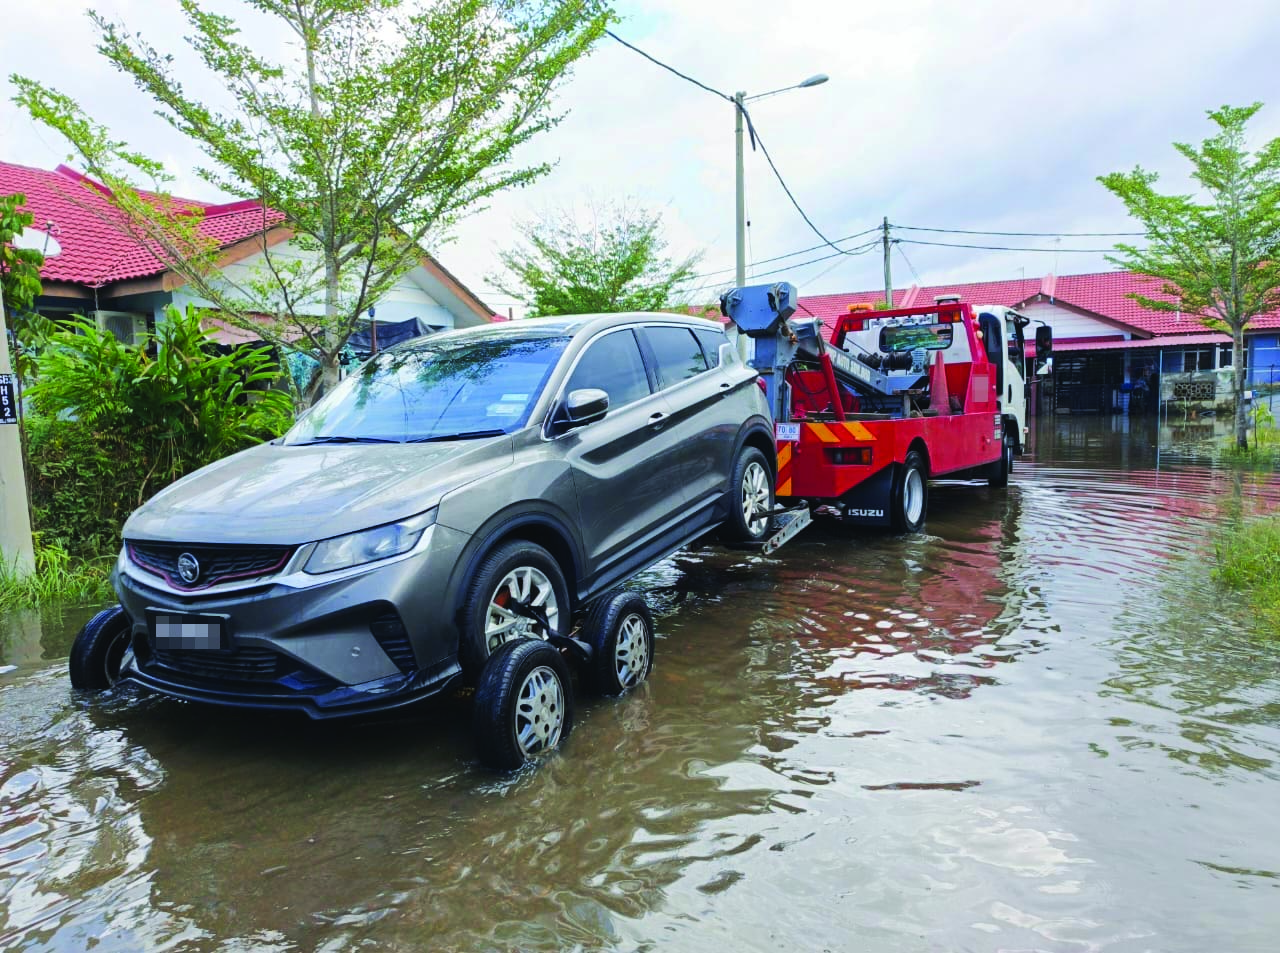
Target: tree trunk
[[1237, 374]]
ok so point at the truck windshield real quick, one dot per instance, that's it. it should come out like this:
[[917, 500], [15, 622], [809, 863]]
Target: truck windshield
[[432, 390], [909, 337]]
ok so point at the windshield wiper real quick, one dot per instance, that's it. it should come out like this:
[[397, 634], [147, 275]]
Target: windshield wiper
[[465, 435], [344, 439]]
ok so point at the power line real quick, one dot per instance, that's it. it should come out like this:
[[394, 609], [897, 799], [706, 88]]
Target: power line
[[914, 274], [860, 250], [670, 69], [966, 231], [792, 254], [755, 138], [1052, 251]]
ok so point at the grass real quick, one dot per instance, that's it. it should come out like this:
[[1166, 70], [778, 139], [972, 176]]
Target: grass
[[1249, 562], [58, 578]]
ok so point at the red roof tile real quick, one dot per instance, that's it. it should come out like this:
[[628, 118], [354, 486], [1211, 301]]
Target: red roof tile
[[95, 248], [1102, 293]]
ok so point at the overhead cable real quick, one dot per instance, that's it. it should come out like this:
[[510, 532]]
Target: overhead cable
[[1052, 251], [967, 231], [670, 69], [792, 254]]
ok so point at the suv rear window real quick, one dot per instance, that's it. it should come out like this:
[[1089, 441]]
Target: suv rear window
[[678, 352], [612, 364]]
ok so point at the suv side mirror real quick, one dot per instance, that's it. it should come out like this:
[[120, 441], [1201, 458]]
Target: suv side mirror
[[585, 405], [1044, 343]]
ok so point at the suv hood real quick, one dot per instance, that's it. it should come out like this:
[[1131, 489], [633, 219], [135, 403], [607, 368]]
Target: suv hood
[[284, 495]]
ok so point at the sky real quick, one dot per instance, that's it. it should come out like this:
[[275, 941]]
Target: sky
[[993, 116]]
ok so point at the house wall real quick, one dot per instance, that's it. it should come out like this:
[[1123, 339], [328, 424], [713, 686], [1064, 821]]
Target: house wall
[[408, 298], [1069, 324]]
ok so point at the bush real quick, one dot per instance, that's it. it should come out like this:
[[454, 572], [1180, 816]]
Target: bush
[[1249, 562], [111, 424], [58, 578]]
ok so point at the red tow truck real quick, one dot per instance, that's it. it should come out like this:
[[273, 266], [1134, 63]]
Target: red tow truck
[[893, 399]]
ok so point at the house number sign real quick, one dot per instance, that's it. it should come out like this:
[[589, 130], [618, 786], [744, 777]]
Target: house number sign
[[8, 399]]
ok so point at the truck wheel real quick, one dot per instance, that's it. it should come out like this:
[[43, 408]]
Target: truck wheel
[[751, 493], [98, 651], [910, 495], [620, 631], [524, 704], [517, 588], [998, 471]]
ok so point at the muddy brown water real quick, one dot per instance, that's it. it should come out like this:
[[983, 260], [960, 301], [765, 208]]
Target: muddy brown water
[[1038, 727]]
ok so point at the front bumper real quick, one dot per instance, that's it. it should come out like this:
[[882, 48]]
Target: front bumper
[[365, 641]]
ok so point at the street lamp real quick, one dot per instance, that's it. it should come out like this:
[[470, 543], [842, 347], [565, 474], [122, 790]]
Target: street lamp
[[740, 99]]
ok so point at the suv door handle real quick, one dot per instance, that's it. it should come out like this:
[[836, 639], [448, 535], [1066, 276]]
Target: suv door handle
[[656, 419], [725, 386]]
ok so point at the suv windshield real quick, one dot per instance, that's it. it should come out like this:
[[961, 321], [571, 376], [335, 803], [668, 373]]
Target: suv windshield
[[435, 390]]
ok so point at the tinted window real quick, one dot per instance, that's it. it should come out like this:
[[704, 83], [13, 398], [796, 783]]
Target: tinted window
[[435, 389], [711, 341], [678, 352], [613, 365]]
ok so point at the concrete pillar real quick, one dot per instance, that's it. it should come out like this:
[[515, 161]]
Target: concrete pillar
[[16, 549]]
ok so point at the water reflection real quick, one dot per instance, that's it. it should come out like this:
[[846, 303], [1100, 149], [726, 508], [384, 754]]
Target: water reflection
[[1037, 727]]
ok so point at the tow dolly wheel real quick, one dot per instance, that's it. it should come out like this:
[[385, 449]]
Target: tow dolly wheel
[[523, 704], [910, 500], [98, 653], [619, 629]]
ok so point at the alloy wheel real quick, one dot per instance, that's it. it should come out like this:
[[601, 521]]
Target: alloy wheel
[[755, 498], [518, 607], [913, 496]]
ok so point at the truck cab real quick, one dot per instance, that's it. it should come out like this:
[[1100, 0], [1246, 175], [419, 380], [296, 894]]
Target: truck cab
[[1004, 339]]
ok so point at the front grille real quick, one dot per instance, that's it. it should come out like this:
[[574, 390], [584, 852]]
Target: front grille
[[238, 665], [391, 635], [216, 563]]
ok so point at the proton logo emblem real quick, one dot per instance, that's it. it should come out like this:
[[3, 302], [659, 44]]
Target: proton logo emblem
[[188, 568]]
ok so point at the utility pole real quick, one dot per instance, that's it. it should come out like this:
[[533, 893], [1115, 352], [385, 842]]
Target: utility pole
[[888, 273], [741, 232], [16, 550]]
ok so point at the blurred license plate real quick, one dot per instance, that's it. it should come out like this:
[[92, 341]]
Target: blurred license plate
[[176, 631]]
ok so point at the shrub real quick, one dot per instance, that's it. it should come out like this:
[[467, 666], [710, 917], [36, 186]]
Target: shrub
[[1249, 562], [112, 423]]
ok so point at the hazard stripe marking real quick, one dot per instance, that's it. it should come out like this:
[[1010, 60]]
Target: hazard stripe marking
[[823, 433], [858, 432], [784, 456], [784, 470]]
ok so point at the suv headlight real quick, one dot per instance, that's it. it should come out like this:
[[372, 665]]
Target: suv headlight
[[368, 545]]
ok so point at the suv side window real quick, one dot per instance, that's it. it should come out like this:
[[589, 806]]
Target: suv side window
[[678, 354], [612, 364], [711, 341]]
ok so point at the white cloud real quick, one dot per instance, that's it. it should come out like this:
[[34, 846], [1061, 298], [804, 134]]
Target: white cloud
[[995, 115]]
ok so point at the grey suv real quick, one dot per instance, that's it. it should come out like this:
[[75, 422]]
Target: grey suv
[[457, 493]]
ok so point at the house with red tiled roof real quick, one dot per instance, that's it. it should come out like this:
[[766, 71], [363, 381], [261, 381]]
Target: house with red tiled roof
[[1105, 343], [93, 266]]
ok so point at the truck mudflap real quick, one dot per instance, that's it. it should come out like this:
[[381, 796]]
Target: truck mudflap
[[871, 501]]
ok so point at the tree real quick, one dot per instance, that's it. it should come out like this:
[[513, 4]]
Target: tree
[[390, 120], [19, 267], [615, 263], [1217, 254]]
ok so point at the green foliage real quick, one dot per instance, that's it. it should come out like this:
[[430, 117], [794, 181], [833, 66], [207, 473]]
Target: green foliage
[[59, 577], [112, 424], [19, 267], [387, 121], [1216, 254], [615, 263], [1249, 561]]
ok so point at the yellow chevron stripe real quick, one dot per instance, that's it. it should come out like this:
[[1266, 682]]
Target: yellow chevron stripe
[[858, 432], [823, 433], [784, 456], [784, 488]]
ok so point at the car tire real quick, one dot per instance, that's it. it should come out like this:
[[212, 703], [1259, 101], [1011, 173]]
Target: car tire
[[540, 582], [619, 630], [97, 654], [523, 705], [910, 503], [751, 485], [998, 471]]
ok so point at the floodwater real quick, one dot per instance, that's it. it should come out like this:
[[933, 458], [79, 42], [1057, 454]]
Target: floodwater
[[1037, 727]]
